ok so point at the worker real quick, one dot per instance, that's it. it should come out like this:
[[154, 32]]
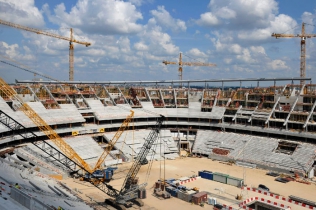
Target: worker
[[17, 186], [59, 208]]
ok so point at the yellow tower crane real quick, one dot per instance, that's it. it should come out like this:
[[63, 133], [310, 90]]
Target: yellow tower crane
[[303, 37], [71, 41], [181, 64]]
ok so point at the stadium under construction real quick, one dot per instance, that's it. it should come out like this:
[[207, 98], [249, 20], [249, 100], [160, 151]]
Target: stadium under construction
[[271, 128]]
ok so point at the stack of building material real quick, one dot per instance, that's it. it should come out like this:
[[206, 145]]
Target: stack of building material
[[186, 195]]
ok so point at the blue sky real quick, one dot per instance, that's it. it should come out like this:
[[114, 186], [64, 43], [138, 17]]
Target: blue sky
[[131, 38]]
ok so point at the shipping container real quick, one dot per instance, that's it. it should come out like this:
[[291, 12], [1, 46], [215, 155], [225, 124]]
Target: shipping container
[[200, 197], [206, 174], [219, 177], [209, 175], [201, 174], [237, 182]]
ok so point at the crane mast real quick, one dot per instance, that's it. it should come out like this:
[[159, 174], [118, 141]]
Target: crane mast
[[71, 40]]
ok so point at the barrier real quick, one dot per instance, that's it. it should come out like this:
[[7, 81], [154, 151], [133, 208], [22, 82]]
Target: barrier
[[189, 180], [279, 197]]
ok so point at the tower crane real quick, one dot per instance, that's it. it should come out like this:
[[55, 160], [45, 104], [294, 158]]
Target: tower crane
[[181, 64], [303, 37], [71, 41]]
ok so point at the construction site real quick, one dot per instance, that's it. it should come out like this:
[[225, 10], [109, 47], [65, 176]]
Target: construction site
[[157, 144]]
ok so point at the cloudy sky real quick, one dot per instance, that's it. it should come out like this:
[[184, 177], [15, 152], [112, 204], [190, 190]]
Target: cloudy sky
[[130, 39]]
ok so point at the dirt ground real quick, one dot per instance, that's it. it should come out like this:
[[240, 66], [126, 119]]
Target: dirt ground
[[190, 166]]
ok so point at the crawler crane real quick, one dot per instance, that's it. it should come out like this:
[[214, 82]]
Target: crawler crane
[[127, 195]]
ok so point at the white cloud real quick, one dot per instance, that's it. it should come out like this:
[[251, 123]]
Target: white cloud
[[208, 19], [196, 53], [235, 48], [140, 46], [15, 52], [158, 42], [228, 60], [243, 13], [258, 49], [98, 16], [278, 65], [21, 12], [165, 20], [253, 20], [245, 56]]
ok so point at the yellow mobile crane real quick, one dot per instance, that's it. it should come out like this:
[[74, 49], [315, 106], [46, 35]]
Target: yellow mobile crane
[[71, 41]]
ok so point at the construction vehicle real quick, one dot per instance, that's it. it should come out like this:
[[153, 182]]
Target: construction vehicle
[[104, 175], [71, 40]]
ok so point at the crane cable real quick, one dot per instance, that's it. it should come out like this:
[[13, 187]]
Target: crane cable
[[25, 68], [193, 58]]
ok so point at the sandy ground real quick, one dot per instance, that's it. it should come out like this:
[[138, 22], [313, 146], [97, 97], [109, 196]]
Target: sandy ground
[[187, 167]]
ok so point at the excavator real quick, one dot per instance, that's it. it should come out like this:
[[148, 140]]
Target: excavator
[[120, 199]]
